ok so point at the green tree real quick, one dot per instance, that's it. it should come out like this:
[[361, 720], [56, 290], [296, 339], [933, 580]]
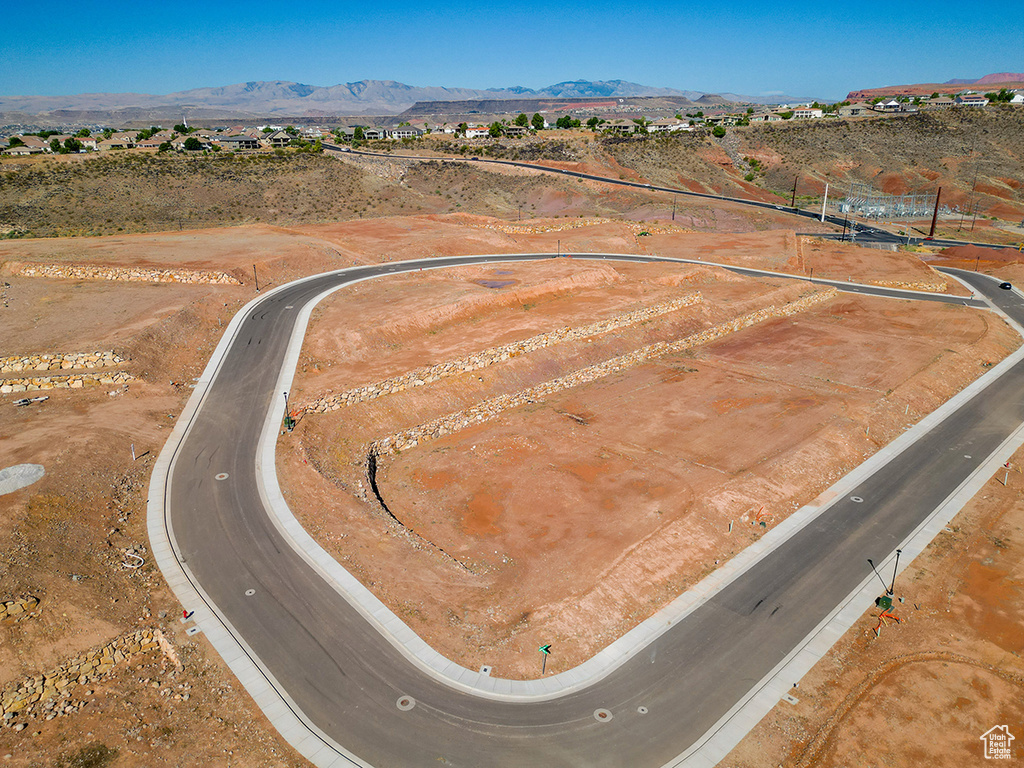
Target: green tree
[[786, 115], [165, 147], [718, 131], [291, 130], [593, 122], [72, 145], [495, 130], [563, 122], [537, 122], [83, 133], [15, 141], [182, 129], [55, 146], [934, 95], [192, 144], [461, 130], [359, 134], [522, 119]]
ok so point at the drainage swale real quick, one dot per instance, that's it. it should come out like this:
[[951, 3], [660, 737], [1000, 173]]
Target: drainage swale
[[250, 592], [405, 703], [856, 499], [602, 715], [221, 476]]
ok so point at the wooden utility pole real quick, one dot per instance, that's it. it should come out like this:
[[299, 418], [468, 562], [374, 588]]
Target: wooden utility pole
[[935, 213], [793, 203]]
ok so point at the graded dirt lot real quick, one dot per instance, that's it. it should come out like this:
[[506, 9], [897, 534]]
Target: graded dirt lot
[[571, 518], [567, 520]]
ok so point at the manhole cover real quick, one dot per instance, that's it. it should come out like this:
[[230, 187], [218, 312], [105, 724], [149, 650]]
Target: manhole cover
[[250, 592], [405, 703], [856, 499], [602, 715], [221, 476], [642, 710]]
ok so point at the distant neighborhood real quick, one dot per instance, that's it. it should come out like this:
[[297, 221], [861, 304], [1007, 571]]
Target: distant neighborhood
[[183, 138]]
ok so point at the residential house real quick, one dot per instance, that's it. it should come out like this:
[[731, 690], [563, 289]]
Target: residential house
[[87, 142], [860, 109], [241, 141], [374, 134], [620, 126], [807, 113], [277, 139], [764, 117], [25, 149], [971, 100], [1018, 97], [115, 142], [36, 143], [515, 131], [179, 142], [406, 132], [939, 102], [667, 125], [477, 131], [721, 119], [150, 143]]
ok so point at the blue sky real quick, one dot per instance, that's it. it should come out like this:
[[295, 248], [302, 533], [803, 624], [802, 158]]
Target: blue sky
[[818, 49]]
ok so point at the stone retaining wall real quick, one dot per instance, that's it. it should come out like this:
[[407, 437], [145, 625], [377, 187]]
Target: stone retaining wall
[[128, 274], [19, 699], [19, 609], [59, 362], [487, 357], [73, 381], [920, 285], [490, 409], [562, 226]]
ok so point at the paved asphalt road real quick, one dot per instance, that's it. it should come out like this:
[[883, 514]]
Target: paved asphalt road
[[853, 230], [347, 679]]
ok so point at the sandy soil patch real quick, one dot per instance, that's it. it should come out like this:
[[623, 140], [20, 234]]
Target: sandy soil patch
[[922, 692]]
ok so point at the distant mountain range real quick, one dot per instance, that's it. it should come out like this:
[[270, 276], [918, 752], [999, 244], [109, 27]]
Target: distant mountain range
[[998, 80], [366, 97]]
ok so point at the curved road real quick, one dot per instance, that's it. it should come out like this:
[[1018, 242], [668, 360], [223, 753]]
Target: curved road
[[332, 667]]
